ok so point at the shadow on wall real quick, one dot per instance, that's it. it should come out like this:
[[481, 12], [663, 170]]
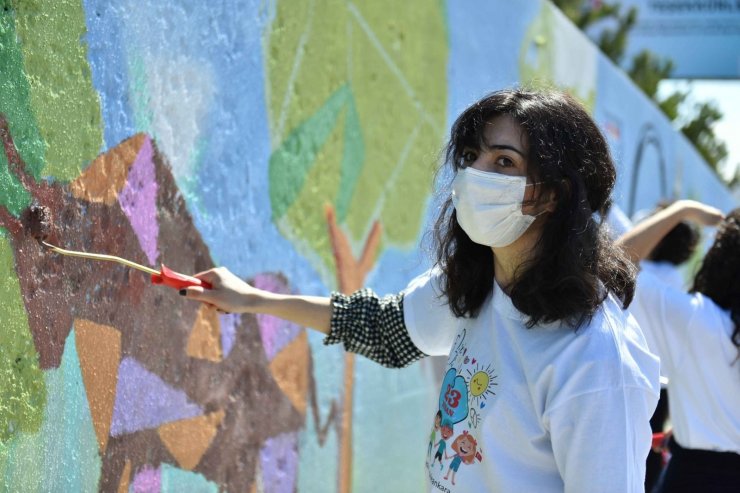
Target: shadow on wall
[[170, 384]]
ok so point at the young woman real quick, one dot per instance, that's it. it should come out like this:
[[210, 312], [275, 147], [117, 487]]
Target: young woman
[[547, 374], [675, 248], [697, 335]]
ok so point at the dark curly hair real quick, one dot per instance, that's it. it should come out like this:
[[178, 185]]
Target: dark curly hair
[[719, 275], [678, 245], [574, 264]]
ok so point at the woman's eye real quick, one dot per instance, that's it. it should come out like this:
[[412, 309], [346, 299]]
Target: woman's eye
[[505, 162], [468, 157]]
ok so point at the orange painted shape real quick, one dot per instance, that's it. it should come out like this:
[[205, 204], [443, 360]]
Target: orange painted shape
[[125, 478], [290, 370], [99, 350], [188, 439], [106, 176], [205, 337]]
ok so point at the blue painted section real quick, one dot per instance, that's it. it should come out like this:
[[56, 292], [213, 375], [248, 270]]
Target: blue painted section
[[485, 41], [106, 45], [176, 479], [63, 455]]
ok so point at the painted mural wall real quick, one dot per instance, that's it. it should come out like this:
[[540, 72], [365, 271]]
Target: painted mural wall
[[294, 142]]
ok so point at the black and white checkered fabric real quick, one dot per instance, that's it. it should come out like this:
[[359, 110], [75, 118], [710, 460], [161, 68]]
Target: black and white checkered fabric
[[373, 327]]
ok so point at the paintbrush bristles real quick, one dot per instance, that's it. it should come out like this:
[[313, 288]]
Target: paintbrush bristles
[[37, 221]]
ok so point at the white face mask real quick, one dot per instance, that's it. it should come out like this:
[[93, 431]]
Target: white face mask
[[489, 206]]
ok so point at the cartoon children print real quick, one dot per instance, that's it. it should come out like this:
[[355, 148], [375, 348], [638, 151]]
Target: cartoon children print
[[461, 404], [446, 431], [465, 447], [433, 435]]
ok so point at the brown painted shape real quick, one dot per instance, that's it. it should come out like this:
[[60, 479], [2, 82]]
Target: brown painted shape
[[205, 338], [106, 176], [188, 439], [99, 350], [125, 478], [289, 370]]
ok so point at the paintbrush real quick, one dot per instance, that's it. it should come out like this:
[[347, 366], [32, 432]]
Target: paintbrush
[[38, 222]]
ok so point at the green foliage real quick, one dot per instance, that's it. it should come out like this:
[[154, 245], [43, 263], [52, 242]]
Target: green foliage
[[699, 130], [614, 41], [672, 103], [648, 70]]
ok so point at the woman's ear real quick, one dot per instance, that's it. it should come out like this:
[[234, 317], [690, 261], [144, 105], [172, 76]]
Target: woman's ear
[[557, 194]]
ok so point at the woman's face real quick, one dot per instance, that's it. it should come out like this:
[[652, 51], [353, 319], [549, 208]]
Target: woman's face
[[504, 150]]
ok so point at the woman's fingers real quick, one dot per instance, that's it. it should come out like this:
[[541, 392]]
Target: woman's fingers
[[197, 293], [211, 276]]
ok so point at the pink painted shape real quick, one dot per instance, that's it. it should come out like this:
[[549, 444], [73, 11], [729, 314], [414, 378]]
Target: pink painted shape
[[276, 333], [279, 463], [144, 401], [138, 201], [147, 480]]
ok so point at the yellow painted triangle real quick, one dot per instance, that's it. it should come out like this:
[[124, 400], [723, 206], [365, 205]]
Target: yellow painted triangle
[[99, 351], [106, 176], [205, 337], [290, 370], [188, 439]]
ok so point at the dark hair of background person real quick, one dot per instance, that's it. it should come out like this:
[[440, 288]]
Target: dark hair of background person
[[574, 259], [678, 245], [719, 275]]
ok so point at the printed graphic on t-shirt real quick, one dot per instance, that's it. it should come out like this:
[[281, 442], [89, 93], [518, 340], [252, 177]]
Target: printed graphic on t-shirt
[[467, 387]]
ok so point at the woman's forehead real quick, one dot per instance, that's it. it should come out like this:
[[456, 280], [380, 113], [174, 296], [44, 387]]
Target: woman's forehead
[[504, 130]]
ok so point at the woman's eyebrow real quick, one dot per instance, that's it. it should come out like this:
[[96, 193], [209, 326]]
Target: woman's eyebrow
[[497, 147]]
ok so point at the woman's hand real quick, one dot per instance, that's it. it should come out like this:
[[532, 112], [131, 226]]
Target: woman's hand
[[228, 293], [703, 214]]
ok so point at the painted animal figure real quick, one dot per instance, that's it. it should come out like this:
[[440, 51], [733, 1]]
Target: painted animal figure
[[168, 381]]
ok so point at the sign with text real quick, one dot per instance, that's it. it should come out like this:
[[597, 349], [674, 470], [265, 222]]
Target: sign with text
[[702, 37]]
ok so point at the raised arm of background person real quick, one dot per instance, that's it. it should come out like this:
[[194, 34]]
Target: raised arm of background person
[[231, 294], [643, 238]]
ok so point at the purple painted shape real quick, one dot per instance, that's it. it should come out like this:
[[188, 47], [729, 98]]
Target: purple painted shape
[[138, 200], [147, 480], [143, 400], [279, 461], [229, 321], [276, 333]]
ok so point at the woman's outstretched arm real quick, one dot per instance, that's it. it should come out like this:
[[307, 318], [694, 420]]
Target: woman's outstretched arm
[[643, 238], [365, 323], [231, 294]]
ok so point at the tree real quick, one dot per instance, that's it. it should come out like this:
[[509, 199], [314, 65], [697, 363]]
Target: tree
[[699, 131]]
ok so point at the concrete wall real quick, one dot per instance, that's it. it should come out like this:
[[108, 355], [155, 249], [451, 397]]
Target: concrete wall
[[292, 141]]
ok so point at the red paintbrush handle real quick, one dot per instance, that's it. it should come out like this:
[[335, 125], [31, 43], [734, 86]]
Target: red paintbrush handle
[[175, 280]]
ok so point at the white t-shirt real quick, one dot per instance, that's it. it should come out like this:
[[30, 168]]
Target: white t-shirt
[[693, 337], [668, 274], [547, 409]]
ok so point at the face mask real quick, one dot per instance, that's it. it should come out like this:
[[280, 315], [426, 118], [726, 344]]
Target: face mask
[[489, 206]]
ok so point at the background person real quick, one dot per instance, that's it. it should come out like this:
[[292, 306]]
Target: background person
[[697, 335]]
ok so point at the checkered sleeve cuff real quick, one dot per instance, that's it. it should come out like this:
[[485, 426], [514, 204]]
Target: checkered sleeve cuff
[[373, 327]]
